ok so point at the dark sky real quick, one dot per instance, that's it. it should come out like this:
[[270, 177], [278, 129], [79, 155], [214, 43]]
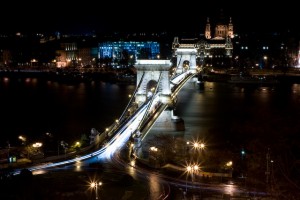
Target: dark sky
[[145, 15]]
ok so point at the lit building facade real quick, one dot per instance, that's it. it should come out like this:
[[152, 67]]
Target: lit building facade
[[76, 55], [67, 54], [216, 48], [131, 49]]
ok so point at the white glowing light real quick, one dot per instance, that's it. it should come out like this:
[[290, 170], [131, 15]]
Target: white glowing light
[[155, 62]]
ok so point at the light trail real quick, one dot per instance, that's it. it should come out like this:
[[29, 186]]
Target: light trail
[[120, 137]]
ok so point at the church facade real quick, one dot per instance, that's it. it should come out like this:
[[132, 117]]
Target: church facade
[[214, 46]]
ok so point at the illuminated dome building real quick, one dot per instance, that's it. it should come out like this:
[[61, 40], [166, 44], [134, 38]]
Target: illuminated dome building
[[215, 49]]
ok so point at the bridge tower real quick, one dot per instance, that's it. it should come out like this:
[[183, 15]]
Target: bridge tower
[[152, 73], [186, 54], [155, 75]]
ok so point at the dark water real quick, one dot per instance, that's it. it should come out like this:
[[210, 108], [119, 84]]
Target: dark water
[[33, 107], [226, 114]]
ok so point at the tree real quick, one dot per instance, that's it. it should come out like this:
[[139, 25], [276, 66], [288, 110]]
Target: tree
[[84, 140], [165, 145]]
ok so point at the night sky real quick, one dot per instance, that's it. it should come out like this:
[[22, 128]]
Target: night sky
[[152, 15]]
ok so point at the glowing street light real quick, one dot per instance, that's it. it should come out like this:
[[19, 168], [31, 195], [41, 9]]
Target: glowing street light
[[23, 139], [198, 145], [191, 169], [37, 144], [153, 149], [202, 145], [187, 149], [37, 147], [95, 185], [77, 144], [229, 164]]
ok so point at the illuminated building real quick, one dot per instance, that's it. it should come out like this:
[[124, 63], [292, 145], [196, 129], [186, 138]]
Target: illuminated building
[[67, 54], [121, 50], [216, 48]]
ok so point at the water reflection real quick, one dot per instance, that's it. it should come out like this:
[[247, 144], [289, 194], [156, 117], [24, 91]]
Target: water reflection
[[230, 189], [65, 110], [154, 187]]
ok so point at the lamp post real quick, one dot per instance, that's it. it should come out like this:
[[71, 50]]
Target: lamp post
[[153, 154], [265, 61], [199, 145], [191, 169], [107, 132], [37, 146], [23, 139], [243, 154], [96, 185], [229, 166], [187, 149]]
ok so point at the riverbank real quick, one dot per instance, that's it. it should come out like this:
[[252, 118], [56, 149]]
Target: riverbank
[[70, 76]]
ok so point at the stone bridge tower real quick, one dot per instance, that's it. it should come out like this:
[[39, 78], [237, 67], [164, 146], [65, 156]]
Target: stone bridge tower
[[186, 53], [154, 75]]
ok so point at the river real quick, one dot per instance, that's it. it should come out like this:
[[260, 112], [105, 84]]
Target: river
[[33, 107]]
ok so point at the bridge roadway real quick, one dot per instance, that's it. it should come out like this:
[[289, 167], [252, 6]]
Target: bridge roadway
[[123, 130]]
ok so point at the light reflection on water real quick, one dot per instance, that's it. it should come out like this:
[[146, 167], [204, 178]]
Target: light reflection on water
[[65, 110], [39, 172], [78, 108], [230, 189], [154, 187], [68, 111]]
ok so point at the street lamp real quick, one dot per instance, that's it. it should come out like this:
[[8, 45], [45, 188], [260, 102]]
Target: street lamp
[[229, 164], [265, 61], [191, 169], [229, 167], [153, 155], [107, 132], [199, 145], [23, 139], [187, 147], [37, 144], [96, 185], [77, 145], [202, 146]]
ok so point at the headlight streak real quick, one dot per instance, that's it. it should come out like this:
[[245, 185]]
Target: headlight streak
[[121, 136]]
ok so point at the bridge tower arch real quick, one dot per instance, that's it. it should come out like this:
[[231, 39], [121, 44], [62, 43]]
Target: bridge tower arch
[[185, 53], [151, 73], [157, 73]]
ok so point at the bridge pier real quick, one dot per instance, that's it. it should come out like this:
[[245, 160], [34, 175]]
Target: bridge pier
[[167, 121]]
